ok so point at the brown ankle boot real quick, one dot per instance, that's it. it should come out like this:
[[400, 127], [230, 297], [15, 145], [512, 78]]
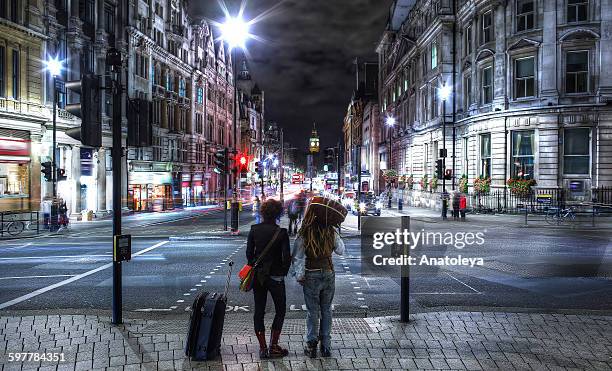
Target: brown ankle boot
[[263, 348], [276, 351]]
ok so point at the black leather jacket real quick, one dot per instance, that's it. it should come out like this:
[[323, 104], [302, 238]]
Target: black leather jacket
[[279, 253]]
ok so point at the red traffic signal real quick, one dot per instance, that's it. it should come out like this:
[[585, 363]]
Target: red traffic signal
[[243, 160]]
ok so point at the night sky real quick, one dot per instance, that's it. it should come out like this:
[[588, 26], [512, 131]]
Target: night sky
[[305, 65]]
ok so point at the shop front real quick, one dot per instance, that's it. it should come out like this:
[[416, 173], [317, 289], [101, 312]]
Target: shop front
[[15, 171], [150, 191]]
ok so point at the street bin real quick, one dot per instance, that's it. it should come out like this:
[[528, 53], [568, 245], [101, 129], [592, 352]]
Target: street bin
[[87, 215]]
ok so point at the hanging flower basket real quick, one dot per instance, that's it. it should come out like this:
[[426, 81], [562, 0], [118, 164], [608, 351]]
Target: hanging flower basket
[[463, 184], [520, 187], [390, 176], [424, 183], [433, 184], [482, 185], [410, 182]]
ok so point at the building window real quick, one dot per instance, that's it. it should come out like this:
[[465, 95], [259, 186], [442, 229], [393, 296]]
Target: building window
[[576, 72], [487, 85], [14, 11], [577, 10], [168, 81], [434, 102], [467, 91], [467, 40], [525, 15], [424, 63], [434, 55], [109, 18], [15, 74], [523, 150], [487, 27], [182, 90], [405, 79], [200, 95], [524, 78], [485, 155], [2, 72], [576, 151]]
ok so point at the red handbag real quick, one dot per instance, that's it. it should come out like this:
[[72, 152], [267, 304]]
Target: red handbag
[[247, 273]]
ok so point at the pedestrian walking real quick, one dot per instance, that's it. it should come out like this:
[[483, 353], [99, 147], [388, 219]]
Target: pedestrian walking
[[456, 202], [269, 239], [256, 210], [462, 206], [314, 270], [293, 213]]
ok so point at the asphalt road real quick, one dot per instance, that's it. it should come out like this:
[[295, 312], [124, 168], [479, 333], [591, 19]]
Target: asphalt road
[[178, 254]]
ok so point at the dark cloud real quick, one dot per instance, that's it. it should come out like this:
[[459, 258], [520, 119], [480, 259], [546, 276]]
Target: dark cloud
[[305, 65]]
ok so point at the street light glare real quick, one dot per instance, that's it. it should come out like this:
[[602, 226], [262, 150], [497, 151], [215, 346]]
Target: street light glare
[[444, 91], [235, 32], [54, 66], [390, 121]]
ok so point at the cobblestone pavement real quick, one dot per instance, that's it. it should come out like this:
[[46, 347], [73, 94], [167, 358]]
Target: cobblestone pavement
[[436, 340]]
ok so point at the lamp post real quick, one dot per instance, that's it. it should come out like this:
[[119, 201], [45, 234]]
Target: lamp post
[[390, 121], [235, 32], [444, 92], [55, 67]]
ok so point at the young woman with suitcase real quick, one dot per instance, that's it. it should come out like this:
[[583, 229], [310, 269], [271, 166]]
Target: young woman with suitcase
[[268, 244]]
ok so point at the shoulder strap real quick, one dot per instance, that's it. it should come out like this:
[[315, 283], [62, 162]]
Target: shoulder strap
[[267, 248]]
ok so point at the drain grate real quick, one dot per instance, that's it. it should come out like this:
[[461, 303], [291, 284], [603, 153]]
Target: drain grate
[[232, 327]]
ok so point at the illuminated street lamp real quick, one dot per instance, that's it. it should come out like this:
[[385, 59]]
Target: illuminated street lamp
[[235, 32], [444, 93], [55, 66]]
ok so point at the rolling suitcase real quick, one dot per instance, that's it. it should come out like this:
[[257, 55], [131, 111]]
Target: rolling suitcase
[[206, 323]]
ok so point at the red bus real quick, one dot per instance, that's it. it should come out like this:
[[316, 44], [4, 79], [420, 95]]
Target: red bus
[[297, 178]]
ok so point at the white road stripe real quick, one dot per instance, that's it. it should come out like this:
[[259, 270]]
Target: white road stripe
[[72, 279], [58, 257], [51, 276], [463, 283]]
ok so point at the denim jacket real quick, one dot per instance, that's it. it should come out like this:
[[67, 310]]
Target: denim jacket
[[299, 255]]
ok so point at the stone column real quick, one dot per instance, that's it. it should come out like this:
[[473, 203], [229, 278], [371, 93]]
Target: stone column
[[499, 68], [548, 70], [100, 168], [75, 177], [36, 193], [605, 44]]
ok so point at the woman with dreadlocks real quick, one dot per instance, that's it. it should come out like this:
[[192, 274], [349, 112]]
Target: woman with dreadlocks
[[314, 270]]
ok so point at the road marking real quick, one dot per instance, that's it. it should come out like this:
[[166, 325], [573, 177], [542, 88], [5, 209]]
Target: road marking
[[186, 294], [446, 293], [198, 285], [57, 257], [72, 279], [180, 301], [51, 276], [463, 283], [153, 310]]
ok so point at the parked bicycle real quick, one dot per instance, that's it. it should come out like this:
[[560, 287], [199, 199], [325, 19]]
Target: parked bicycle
[[16, 227], [556, 216]]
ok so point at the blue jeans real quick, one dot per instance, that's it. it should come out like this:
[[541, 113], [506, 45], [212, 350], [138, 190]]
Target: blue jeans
[[319, 287]]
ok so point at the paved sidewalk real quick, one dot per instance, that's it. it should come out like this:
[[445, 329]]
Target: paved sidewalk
[[436, 340]]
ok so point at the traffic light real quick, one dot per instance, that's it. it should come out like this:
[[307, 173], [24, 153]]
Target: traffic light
[[221, 161], [439, 169], [47, 170], [90, 132], [259, 168], [61, 175], [139, 127], [448, 174]]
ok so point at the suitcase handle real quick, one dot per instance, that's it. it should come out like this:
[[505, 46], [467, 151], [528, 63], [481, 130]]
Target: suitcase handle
[[229, 276]]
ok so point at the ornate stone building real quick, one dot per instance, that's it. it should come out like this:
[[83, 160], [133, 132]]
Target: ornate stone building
[[22, 111], [176, 63], [529, 94]]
